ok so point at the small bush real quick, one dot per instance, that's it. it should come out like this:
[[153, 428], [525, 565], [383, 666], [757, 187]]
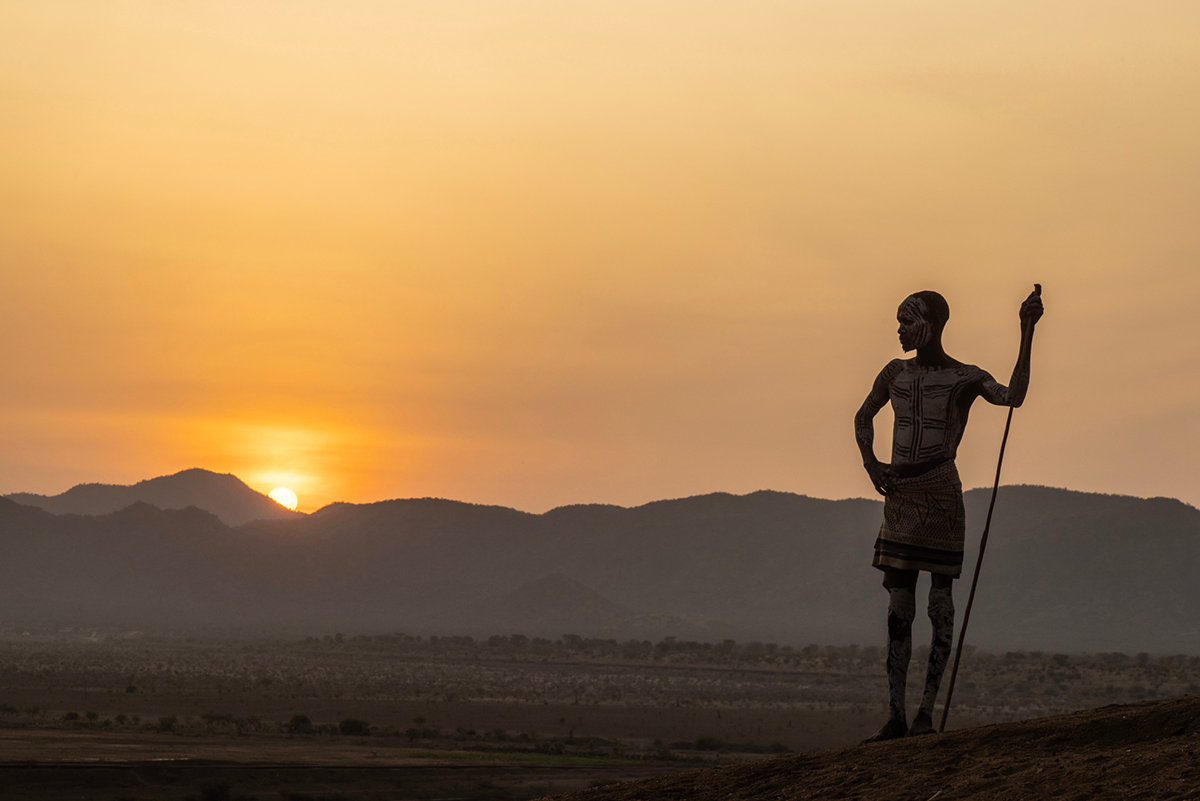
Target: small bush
[[708, 744], [354, 727], [300, 724], [216, 792]]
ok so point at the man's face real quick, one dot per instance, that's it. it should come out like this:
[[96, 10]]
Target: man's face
[[915, 329]]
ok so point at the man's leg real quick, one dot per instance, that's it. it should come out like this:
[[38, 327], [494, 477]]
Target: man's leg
[[941, 615], [902, 608]]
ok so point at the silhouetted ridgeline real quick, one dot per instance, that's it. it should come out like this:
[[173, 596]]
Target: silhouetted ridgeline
[[223, 494], [1065, 570]]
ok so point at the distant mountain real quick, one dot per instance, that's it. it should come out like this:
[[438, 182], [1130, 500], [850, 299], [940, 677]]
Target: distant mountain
[[1065, 570], [224, 495], [557, 603], [140, 565]]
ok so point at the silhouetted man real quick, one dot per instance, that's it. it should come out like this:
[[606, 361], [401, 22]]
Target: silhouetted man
[[923, 522]]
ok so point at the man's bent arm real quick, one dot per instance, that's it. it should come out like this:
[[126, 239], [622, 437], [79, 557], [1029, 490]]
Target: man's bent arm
[[864, 425]]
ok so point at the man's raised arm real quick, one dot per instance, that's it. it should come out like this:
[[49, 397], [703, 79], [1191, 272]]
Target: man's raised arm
[[1014, 394]]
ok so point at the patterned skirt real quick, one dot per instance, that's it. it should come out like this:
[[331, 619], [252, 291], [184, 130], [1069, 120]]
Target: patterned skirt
[[923, 523]]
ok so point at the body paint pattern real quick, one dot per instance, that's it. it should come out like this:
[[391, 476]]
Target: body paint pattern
[[941, 616], [931, 408], [902, 608], [924, 524]]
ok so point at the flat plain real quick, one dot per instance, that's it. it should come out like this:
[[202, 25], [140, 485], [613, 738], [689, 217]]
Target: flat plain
[[124, 715]]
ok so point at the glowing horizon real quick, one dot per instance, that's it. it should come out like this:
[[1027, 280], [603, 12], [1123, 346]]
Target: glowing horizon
[[539, 254]]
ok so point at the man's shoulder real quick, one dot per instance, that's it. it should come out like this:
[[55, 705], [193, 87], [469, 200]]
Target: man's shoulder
[[955, 372], [971, 371], [892, 368], [958, 370], [968, 375]]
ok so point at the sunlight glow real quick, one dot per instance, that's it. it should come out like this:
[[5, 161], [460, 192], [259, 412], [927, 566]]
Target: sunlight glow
[[284, 497], [536, 254]]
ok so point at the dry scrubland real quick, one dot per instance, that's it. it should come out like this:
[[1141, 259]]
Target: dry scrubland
[[506, 717]]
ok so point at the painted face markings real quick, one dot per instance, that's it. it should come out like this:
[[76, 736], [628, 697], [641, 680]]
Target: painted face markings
[[915, 329]]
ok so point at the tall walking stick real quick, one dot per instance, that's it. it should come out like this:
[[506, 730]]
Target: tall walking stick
[[962, 633]]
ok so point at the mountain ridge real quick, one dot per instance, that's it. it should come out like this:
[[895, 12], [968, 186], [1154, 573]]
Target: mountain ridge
[[1066, 570], [82, 495], [222, 494]]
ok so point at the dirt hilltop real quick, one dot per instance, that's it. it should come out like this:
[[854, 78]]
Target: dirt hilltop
[[1149, 750]]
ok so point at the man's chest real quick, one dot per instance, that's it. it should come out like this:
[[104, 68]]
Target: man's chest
[[928, 396]]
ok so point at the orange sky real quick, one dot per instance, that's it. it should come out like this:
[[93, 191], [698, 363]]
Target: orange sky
[[537, 253]]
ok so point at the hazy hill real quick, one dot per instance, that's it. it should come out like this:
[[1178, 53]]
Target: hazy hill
[[1140, 751], [138, 566], [557, 603], [224, 495], [1065, 570]]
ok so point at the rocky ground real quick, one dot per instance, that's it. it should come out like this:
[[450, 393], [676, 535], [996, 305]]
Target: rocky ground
[[1149, 750]]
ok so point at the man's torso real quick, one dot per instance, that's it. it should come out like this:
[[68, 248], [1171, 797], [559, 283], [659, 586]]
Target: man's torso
[[930, 407]]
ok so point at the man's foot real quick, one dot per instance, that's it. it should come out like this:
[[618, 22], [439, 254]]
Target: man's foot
[[895, 727], [922, 724]]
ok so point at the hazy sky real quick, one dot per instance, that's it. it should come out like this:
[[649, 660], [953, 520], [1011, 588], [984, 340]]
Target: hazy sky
[[538, 253]]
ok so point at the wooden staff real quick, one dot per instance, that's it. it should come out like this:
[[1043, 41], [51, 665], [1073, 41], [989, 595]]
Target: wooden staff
[[962, 634]]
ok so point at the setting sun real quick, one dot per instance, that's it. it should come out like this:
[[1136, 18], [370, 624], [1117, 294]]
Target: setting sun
[[284, 497], [563, 255]]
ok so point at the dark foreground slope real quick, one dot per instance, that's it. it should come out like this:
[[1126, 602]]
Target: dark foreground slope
[[1140, 751]]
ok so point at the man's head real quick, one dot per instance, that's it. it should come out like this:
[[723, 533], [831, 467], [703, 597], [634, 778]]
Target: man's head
[[922, 316]]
